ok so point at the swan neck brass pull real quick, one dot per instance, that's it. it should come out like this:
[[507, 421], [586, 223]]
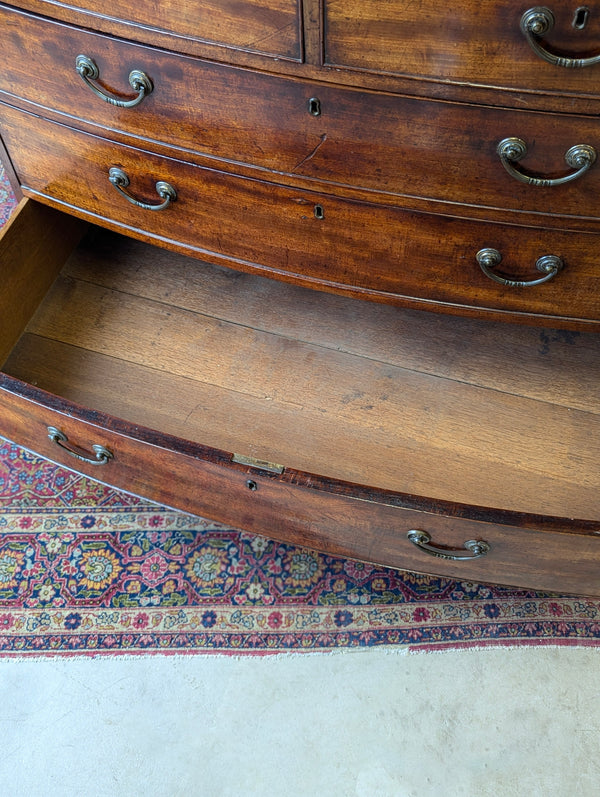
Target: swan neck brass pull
[[473, 549], [535, 24], [121, 181], [489, 259], [138, 81], [101, 454], [579, 157]]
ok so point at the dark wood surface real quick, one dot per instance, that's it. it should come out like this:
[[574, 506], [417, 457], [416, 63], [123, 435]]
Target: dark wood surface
[[464, 42], [33, 246], [438, 151], [384, 419], [273, 27], [467, 51], [363, 250], [309, 513]]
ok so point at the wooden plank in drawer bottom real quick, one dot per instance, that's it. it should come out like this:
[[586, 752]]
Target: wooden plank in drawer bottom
[[303, 416]]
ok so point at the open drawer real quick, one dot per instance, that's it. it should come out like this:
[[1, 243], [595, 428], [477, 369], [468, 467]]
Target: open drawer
[[451, 446]]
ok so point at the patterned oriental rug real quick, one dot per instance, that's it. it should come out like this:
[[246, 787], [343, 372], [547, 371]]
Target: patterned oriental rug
[[85, 569]]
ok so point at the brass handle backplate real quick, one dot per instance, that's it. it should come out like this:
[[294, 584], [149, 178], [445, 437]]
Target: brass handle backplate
[[535, 24], [579, 157], [489, 259], [120, 180], [473, 549], [139, 81], [102, 455]]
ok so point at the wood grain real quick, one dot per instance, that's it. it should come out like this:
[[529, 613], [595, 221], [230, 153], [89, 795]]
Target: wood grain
[[370, 416], [33, 247], [555, 366], [366, 251], [304, 510], [439, 151], [383, 420], [268, 26], [467, 42], [410, 57]]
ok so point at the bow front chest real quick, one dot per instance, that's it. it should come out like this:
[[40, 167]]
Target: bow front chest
[[325, 270]]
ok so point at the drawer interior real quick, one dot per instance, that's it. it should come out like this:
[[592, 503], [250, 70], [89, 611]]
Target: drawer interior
[[451, 408]]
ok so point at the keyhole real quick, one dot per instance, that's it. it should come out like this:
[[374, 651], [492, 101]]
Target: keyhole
[[580, 20], [314, 106], [319, 212]]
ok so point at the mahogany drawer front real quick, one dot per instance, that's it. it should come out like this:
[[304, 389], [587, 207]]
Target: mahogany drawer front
[[269, 27], [303, 509], [217, 110], [475, 43], [311, 238], [450, 153], [391, 145]]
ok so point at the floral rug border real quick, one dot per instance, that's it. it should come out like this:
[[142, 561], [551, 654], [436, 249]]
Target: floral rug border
[[44, 610]]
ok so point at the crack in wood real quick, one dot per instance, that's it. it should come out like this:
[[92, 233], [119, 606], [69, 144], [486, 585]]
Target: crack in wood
[[311, 154]]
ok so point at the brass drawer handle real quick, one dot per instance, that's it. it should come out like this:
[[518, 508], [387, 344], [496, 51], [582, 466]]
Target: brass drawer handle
[[473, 548], [579, 157], [138, 81], [489, 259], [102, 454], [535, 24], [120, 181]]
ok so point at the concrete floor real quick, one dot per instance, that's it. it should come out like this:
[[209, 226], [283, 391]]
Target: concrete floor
[[370, 723]]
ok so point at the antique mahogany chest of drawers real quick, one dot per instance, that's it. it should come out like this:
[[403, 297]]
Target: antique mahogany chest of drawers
[[326, 270]]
